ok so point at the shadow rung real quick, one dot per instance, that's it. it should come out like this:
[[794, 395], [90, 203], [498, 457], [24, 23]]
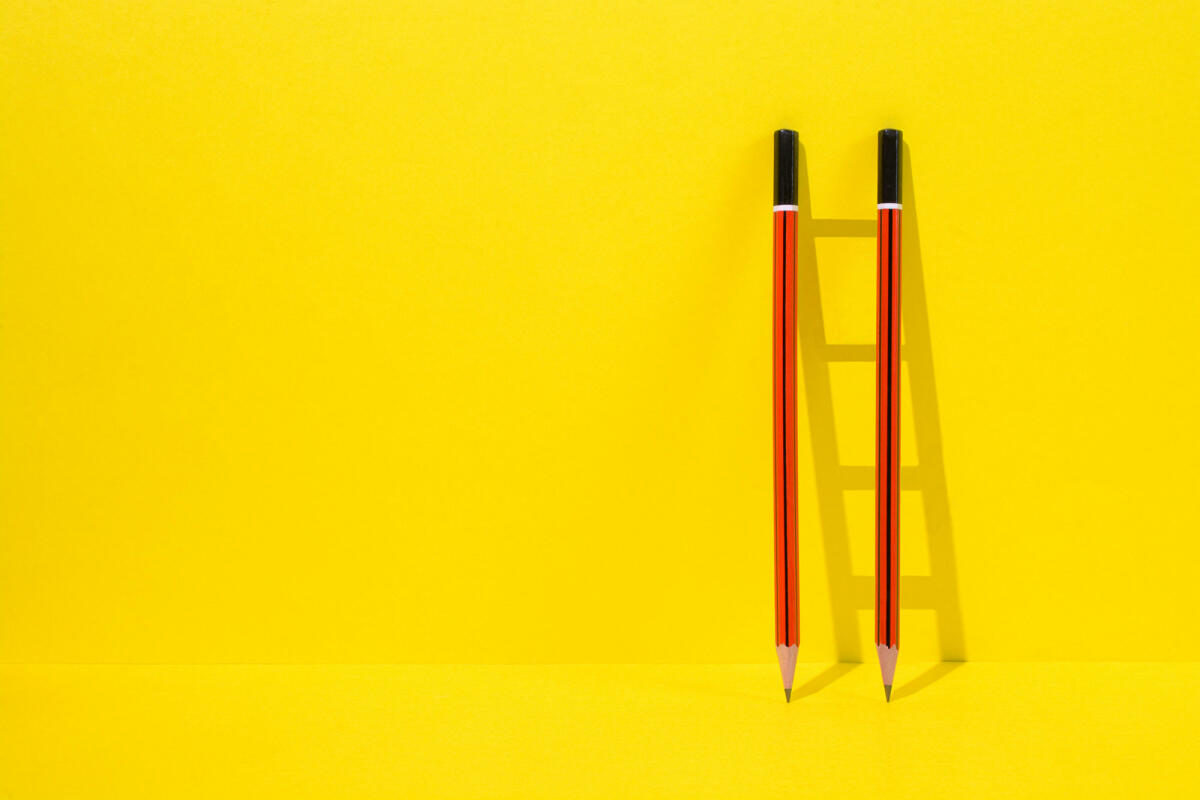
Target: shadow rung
[[855, 353], [843, 228], [862, 478], [917, 593]]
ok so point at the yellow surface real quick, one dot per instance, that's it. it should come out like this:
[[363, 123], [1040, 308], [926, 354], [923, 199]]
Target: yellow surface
[[409, 331], [978, 730]]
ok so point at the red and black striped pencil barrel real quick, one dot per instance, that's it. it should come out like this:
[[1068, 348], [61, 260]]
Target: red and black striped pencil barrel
[[887, 410], [786, 599]]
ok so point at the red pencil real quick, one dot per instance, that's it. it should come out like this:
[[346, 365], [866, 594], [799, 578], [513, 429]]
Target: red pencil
[[887, 411], [786, 602]]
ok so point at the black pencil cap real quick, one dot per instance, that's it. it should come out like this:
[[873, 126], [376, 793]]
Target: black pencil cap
[[787, 145], [889, 165]]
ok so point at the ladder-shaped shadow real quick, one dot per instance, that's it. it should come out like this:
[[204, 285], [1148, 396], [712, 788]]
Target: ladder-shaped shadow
[[850, 593]]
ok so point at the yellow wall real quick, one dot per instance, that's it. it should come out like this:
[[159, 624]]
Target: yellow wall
[[441, 331]]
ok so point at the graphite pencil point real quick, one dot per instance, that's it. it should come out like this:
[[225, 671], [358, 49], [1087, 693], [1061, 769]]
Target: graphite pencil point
[[787, 693], [887, 692]]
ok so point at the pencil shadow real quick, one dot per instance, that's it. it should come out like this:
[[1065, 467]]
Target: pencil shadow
[[926, 678], [823, 679], [850, 593]]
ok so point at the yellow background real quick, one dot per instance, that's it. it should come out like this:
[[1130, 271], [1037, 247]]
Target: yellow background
[[981, 730], [408, 332]]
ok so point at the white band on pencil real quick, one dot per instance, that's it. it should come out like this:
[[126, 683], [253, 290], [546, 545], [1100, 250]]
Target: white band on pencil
[[785, 208], [887, 205]]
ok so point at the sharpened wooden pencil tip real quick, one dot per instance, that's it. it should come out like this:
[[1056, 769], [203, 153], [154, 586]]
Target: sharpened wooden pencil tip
[[887, 667], [787, 667]]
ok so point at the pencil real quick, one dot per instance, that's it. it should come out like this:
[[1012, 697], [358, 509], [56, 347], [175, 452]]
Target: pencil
[[887, 410], [786, 602]]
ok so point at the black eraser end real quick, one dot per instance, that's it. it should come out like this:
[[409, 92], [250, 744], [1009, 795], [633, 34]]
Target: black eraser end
[[890, 148], [787, 147]]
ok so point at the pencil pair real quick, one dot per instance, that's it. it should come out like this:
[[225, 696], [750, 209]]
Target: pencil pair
[[887, 406]]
